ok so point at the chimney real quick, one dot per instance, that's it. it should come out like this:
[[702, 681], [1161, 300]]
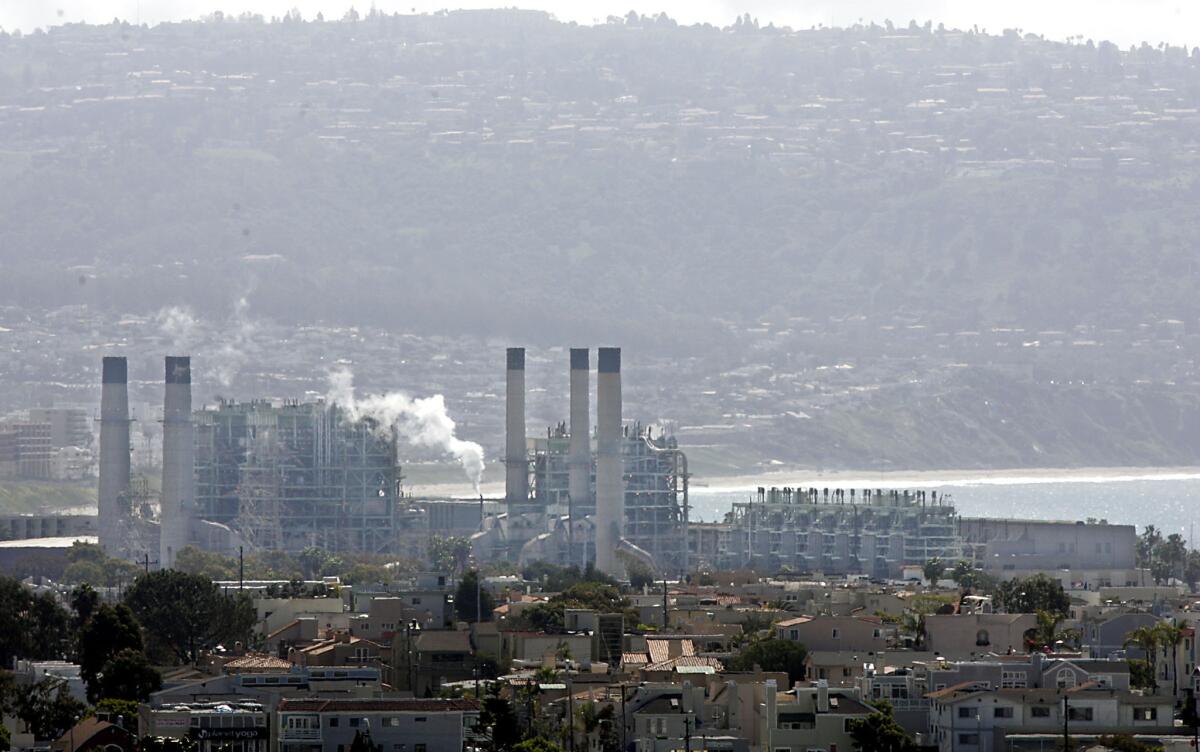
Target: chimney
[[178, 460], [822, 696], [113, 493], [579, 464], [610, 477], [516, 464]]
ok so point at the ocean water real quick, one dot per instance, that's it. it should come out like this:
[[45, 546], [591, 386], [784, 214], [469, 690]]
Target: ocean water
[[1169, 502]]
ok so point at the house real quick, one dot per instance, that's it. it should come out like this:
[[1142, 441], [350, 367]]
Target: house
[[837, 633], [213, 726], [94, 734], [972, 718], [816, 719], [396, 725], [965, 635]]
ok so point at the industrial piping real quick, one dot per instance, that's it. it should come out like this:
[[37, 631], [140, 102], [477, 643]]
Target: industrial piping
[[516, 463], [179, 460], [113, 492]]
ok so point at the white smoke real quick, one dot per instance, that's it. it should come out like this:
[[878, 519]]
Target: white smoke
[[421, 421], [237, 344], [178, 324]]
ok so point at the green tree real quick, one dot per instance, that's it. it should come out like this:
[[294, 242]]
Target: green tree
[[47, 708], [1147, 639], [771, 654], [498, 722], [111, 630], [537, 744], [1141, 675], [1146, 543], [1170, 635], [31, 625], [879, 732], [449, 554], [84, 601], [465, 602], [362, 743], [5, 739], [640, 575], [112, 708], [596, 596], [1032, 594], [933, 570], [183, 614], [195, 560], [128, 675], [1047, 633]]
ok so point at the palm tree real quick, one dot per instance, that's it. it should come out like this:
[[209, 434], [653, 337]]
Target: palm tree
[[1147, 639], [933, 570], [1047, 633], [1171, 634]]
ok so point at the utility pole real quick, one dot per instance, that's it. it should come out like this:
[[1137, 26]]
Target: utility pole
[[1066, 725], [666, 612], [241, 568], [687, 732]]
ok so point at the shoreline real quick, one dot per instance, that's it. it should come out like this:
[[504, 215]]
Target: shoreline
[[937, 478], [916, 479]]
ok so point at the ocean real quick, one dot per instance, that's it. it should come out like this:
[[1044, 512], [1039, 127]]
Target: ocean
[[1170, 502]]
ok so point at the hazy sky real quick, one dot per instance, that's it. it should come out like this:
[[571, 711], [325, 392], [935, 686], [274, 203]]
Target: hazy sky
[[1123, 21]]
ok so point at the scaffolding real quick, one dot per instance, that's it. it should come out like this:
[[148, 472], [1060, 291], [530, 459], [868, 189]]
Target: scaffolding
[[296, 475]]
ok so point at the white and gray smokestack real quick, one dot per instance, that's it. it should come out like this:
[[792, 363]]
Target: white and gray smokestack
[[113, 493], [610, 477], [579, 453], [178, 460], [516, 464]]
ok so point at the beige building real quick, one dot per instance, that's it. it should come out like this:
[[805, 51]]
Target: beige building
[[958, 636], [837, 633]]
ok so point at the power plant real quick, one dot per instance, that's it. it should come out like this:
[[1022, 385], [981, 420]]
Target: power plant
[[260, 475]]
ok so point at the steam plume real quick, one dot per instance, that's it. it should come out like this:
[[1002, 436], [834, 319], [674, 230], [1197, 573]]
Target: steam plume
[[421, 421]]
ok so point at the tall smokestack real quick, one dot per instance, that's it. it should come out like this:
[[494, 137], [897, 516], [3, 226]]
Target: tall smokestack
[[610, 478], [178, 460], [579, 460], [516, 464], [113, 493]]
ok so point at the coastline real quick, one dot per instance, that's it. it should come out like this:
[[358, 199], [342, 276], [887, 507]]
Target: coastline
[[937, 478], [915, 479]]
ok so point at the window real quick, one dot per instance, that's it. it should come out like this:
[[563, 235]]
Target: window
[[1039, 711], [1002, 712], [419, 719], [418, 748], [1145, 714], [333, 721], [836, 634], [354, 722], [965, 712], [1012, 680], [982, 638], [876, 633], [795, 634], [1079, 714], [1065, 678], [416, 601], [969, 739]]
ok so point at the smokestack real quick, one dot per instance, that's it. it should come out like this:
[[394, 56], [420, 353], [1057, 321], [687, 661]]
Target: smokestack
[[516, 464], [178, 460], [579, 465], [113, 493], [610, 477]]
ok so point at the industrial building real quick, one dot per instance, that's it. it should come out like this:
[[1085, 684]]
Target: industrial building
[[295, 475], [833, 531], [574, 497]]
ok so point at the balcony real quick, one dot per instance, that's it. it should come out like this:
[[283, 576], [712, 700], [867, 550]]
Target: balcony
[[300, 735]]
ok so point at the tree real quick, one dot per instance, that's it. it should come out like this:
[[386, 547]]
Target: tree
[[47, 708], [5, 739], [933, 570], [111, 630], [537, 744], [449, 554], [1032, 594], [879, 732], [112, 708], [1146, 543], [1147, 639], [84, 600], [31, 625], [464, 599], [1170, 635], [362, 743], [499, 722], [640, 575], [129, 676], [595, 596], [1047, 633], [183, 614], [772, 654]]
